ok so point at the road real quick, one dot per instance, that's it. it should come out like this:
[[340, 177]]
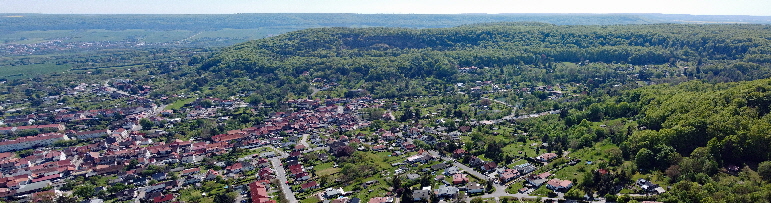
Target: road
[[304, 140], [281, 175]]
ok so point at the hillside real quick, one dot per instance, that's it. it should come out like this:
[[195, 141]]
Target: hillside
[[380, 59], [705, 139]]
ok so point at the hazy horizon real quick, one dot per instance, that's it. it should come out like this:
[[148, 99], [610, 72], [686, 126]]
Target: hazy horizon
[[692, 7]]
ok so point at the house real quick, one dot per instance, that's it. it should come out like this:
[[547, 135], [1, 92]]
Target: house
[[155, 188], [332, 192], [559, 185], [525, 168], [33, 187], [452, 170], [438, 166], [258, 192], [163, 198], [412, 176], [475, 188], [546, 157], [475, 161], [458, 153], [508, 175], [446, 191], [459, 178], [649, 187], [489, 166], [302, 176], [340, 200], [235, 168], [421, 195], [309, 186], [31, 142], [262, 163], [381, 200], [537, 180], [92, 134], [192, 179], [212, 174], [421, 157], [379, 148]]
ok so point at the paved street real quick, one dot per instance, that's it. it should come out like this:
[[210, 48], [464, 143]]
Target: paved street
[[304, 141], [281, 175]]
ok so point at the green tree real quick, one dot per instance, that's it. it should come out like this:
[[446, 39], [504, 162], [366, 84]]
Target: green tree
[[146, 124], [227, 197], [84, 191], [645, 158], [764, 169]]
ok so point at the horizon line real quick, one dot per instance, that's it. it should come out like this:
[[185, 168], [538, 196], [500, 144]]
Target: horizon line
[[382, 14]]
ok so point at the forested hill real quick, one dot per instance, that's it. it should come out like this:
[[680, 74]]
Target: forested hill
[[692, 132], [367, 57]]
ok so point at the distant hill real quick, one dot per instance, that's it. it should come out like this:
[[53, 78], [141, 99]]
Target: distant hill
[[228, 29], [385, 61], [27, 22]]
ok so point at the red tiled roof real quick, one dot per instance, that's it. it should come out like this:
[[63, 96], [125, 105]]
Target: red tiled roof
[[163, 198]]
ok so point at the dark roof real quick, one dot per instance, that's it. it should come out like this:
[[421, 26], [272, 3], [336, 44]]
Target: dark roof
[[421, 194], [439, 166]]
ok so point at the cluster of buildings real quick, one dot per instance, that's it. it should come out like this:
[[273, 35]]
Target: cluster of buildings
[[52, 46]]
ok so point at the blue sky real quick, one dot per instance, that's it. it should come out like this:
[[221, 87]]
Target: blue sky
[[697, 7]]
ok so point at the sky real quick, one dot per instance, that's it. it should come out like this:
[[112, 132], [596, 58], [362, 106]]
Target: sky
[[695, 7]]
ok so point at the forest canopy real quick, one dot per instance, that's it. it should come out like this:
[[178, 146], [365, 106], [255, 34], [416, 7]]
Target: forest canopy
[[387, 58]]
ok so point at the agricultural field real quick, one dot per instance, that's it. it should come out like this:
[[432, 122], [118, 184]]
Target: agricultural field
[[14, 72]]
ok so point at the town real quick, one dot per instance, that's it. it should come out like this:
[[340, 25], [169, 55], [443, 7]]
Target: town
[[331, 150]]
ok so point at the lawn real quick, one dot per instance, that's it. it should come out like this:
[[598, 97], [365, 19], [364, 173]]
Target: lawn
[[542, 191], [323, 166], [514, 188], [179, 103], [392, 159], [521, 161], [310, 200], [328, 171], [192, 195], [526, 148]]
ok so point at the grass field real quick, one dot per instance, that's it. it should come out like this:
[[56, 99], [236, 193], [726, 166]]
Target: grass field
[[13, 72], [179, 103], [328, 171], [323, 166]]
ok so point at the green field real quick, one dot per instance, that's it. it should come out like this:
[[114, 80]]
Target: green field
[[13, 72], [179, 103]]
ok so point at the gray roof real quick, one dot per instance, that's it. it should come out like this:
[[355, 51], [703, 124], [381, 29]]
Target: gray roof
[[33, 186], [447, 190], [421, 194]]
